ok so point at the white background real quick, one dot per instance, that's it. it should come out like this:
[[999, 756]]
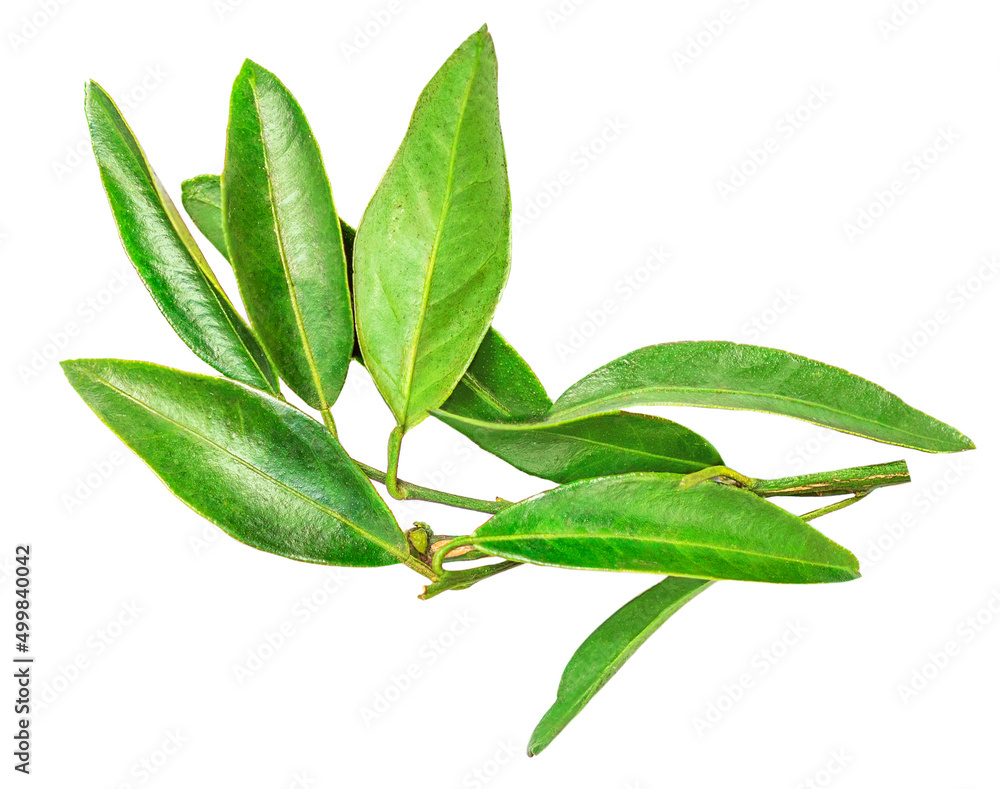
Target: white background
[[103, 540]]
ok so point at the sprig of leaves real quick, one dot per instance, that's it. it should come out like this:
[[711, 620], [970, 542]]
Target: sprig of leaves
[[411, 296]]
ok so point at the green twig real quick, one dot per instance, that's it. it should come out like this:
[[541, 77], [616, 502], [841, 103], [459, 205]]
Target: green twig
[[812, 514], [414, 491], [463, 579], [858, 480]]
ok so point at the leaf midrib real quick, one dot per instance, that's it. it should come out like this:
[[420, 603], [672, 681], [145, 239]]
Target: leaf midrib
[[556, 428], [583, 408], [445, 208], [277, 482], [292, 295], [473, 383], [557, 537]]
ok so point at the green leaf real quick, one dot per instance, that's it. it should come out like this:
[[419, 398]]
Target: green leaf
[[165, 255], [727, 375], [606, 650], [591, 446], [202, 199], [652, 523], [433, 248], [284, 238], [498, 386], [501, 405], [260, 469]]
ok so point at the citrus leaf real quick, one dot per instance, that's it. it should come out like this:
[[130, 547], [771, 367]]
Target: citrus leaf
[[433, 248], [648, 522], [727, 375], [257, 467], [284, 239], [590, 446], [606, 650], [165, 255]]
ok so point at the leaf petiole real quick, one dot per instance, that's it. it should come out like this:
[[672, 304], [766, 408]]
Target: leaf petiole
[[391, 481]]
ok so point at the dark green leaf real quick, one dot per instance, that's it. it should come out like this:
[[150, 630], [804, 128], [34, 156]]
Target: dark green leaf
[[499, 386], [257, 467], [202, 199], [590, 446], [433, 248], [606, 650], [165, 255], [727, 375], [652, 523], [284, 238]]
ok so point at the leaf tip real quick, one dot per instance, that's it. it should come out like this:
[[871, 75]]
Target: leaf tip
[[93, 92], [250, 71]]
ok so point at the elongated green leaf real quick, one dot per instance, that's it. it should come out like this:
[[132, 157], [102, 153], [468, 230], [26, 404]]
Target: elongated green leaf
[[252, 464], [165, 255], [284, 238], [202, 199], [591, 446], [606, 650], [433, 248], [727, 375], [498, 386], [650, 523]]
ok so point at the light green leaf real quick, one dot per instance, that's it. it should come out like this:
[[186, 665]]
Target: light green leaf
[[165, 255], [727, 375], [652, 523], [260, 469], [284, 239], [606, 650], [433, 248]]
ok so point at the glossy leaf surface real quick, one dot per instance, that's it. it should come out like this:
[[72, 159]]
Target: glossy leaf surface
[[260, 469], [204, 192], [650, 523], [728, 375], [165, 255], [606, 650], [202, 199], [498, 386], [591, 446], [433, 248], [284, 238]]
